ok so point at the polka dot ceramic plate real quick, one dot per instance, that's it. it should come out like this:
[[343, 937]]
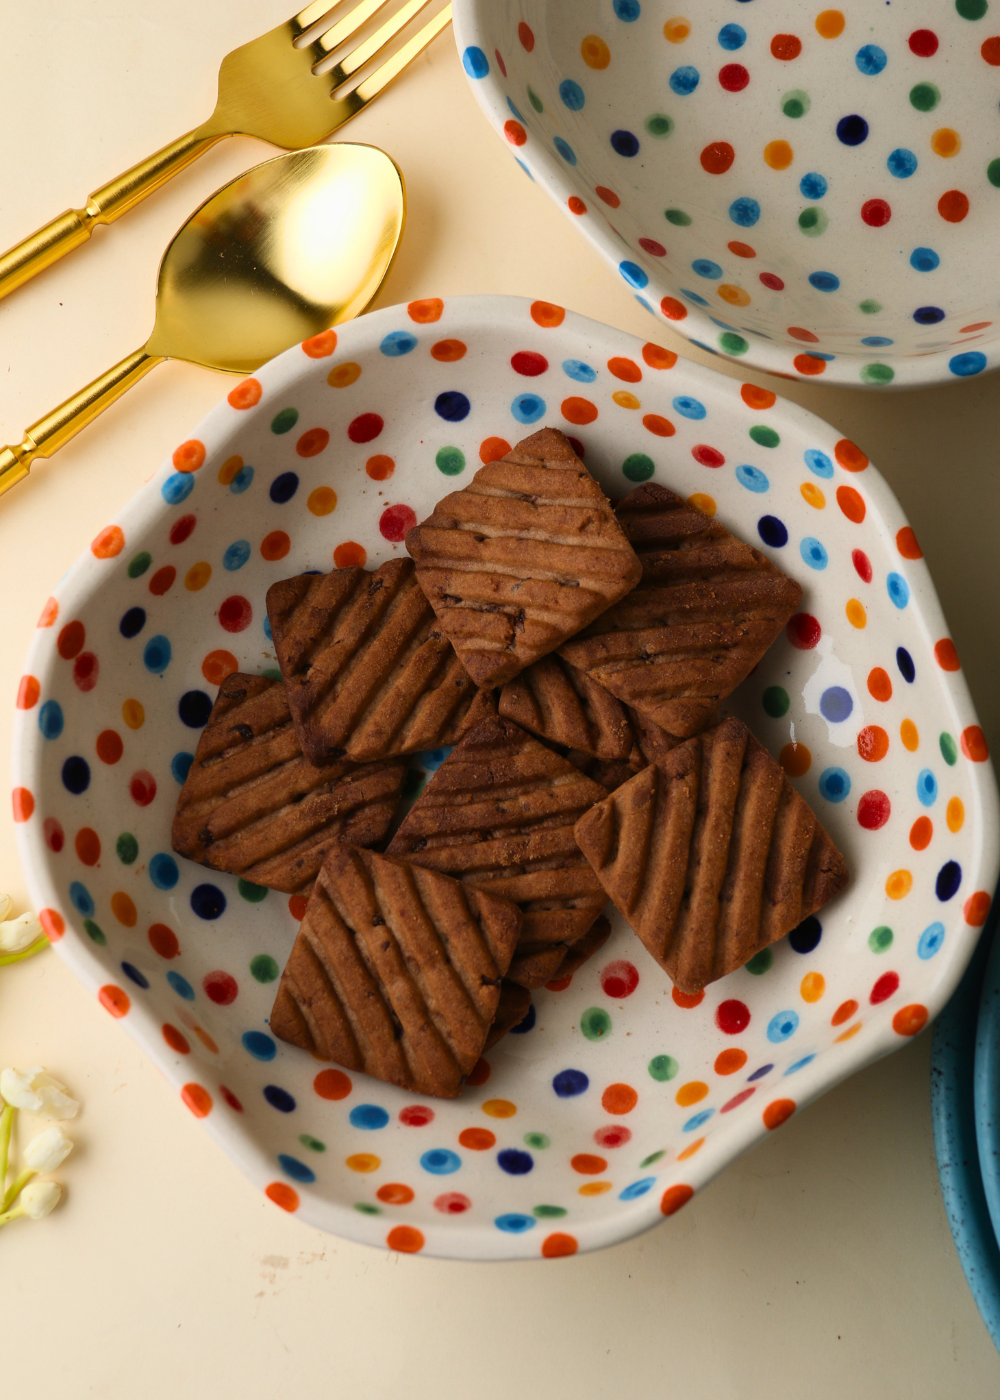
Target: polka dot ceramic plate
[[618, 1098], [815, 191]]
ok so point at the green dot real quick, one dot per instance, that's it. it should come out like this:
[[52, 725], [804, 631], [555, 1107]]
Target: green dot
[[94, 932], [795, 103], [548, 1212], [535, 100], [813, 222], [127, 848], [663, 1067], [775, 701], [450, 460], [878, 374], [733, 344], [869, 307], [638, 467], [880, 938], [653, 1157], [413, 782], [285, 421], [925, 97], [595, 1023], [253, 894], [677, 216], [764, 437], [538, 1140], [273, 673], [949, 750], [264, 968], [138, 566], [367, 1209], [993, 172], [760, 962], [971, 9], [312, 1143], [660, 125]]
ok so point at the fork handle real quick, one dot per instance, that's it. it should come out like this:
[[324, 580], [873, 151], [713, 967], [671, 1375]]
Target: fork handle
[[45, 247]]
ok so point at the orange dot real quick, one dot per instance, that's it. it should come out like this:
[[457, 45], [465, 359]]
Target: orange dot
[[311, 443], [755, 397], [405, 1239], [282, 1195], [594, 1188], [812, 986], [449, 350], [332, 1084], [544, 313], [953, 206], [576, 205], [190, 456], [809, 364], [974, 744], [218, 665], [977, 906], [23, 803], [703, 503], [27, 693], [275, 545], [206, 1040], [879, 684], [800, 333], [729, 1061], [49, 614], [197, 576], [991, 51], [297, 906], [323, 500], [363, 1162], [843, 1013], [674, 1197], [426, 311], [109, 542], [611, 199], [675, 31], [690, 1151], [123, 909], [687, 999], [626, 369], [624, 399], [908, 1020], [946, 656], [778, 155], [856, 614], [491, 449], [657, 357], [350, 555], [177, 1041], [812, 495], [114, 1000], [674, 309], [778, 1112], [619, 1098], [53, 923], [717, 157], [394, 1193], [908, 734], [198, 1100], [499, 1108], [873, 743], [786, 47], [955, 814], [851, 503], [379, 468], [588, 1165], [946, 142], [245, 395], [906, 543], [163, 940], [595, 52], [741, 250], [920, 833], [848, 1034], [660, 427], [580, 411], [558, 1246], [317, 347], [692, 1092], [515, 133], [829, 24], [735, 296], [342, 376], [795, 759], [230, 469], [899, 884], [162, 581], [850, 456], [477, 1139]]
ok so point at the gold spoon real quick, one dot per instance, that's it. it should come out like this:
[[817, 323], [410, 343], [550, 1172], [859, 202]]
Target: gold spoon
[[297, 244]]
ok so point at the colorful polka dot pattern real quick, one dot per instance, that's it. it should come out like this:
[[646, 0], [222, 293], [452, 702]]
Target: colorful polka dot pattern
[[833, 176], [636, 1093]]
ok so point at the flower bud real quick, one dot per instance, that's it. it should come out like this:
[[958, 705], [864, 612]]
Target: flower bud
[[39, 1197], [18, 934], [36, 1092], [6, 905], [47, 1150]]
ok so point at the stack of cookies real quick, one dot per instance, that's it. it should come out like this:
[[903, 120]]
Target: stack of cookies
[[576, 656]]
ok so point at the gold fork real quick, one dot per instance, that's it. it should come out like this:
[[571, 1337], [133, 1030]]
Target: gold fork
[[267, 89]]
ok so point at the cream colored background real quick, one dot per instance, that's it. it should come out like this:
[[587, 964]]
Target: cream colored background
[[820, 1265]]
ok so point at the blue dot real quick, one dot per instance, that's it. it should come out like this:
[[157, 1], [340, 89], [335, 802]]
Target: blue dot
[[76, 775], [930, 941], [852, 130], [644, 303], [180, 766], [628, 10], [132, 622], [259, 1045], [813, 553], [901, 163], [928, 315], [899, 590], [634, 275], [283, 488], [744, 211], [279, 1098], [818, 462], [807, 936], [177, 488], [80, 898], [870, 60], [752, 478], [698, 301], [514, 110], [438, 1161], [266, 624], [528, 408], [237, 554], [398, 343], [578, 370], [50, 719], [706, 268], [370, 1116], [689, 408], [782, 1026], [569, 1082], [156, 655], [241, 481], [639, 1188], [569, 155], [208, 901], [181, 986], [759, 1073], [625, 143], [526, 1023], [732, 36], [925, 260], [475, 62], [297, 1170], [799, 1064], [514, 1224], [684, 80], [572, 94], [813, 186], [948, 880], [518, 161], [905, 663], [772, 531], [194, 708], [834, 784], [452, 406], [134, 975], [836, 704], [971, 362], [163, 871], [824, 281], [698, 1121]]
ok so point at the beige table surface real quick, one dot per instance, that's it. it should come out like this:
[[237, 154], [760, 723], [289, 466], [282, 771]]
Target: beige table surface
[[820, 1264]]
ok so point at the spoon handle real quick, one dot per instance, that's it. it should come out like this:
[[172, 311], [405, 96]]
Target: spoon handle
[[56, 428]]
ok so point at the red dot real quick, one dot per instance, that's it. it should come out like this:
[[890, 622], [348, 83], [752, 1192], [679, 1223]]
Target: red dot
[[654, 249], [85, 669], [297, 906], [717, 157], [416, 1115], [886, 986], [607, 196], [395, 521], [163, 940], [71, 640], [88, 845], [576, 445], [619, 979], [220, 988], [162, 581], [529, 362], [673, 309], [707, 456], [734, 77], [732, 1017], [365, 428], [479, 1073], [231, 1099], [109, 746], [182, 529], [953, 206], [800, 333], [452, 1203], [771, 280], [873, 810], [739, 1098], [615, 1135], [235, 613], [924, 43], [142, 788], [332, 1084], [803, 631], [876, 212], [862, 565], [55, 837]]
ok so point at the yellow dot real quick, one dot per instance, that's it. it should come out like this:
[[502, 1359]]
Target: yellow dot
[[364, 1162], [778, 155], [736, 296], [703, 503], [197, 576], [908, 734], [955, 814], [690, 1151], [899, 884], [676, 30], [230, 469], [322, 501], [342, 375], [595, 1188], [812, 495], [499, 1108], [856, 614], [133, 714], [846, 1035], [692, 1092], [595, 51], [829, 24], [813, 986], [206, 1040], [946, 142], [624, 399]]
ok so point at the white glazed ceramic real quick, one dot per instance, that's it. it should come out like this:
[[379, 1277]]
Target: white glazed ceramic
[[620, 1100], [816, 191]]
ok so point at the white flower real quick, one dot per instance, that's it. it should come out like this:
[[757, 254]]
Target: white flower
[[18, 934], [47, 1150], [39, 1197], [37, 1092], [6, 905]]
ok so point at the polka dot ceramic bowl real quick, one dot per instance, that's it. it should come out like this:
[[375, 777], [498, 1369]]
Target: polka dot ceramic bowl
[[814, 191], [617, 1099]]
